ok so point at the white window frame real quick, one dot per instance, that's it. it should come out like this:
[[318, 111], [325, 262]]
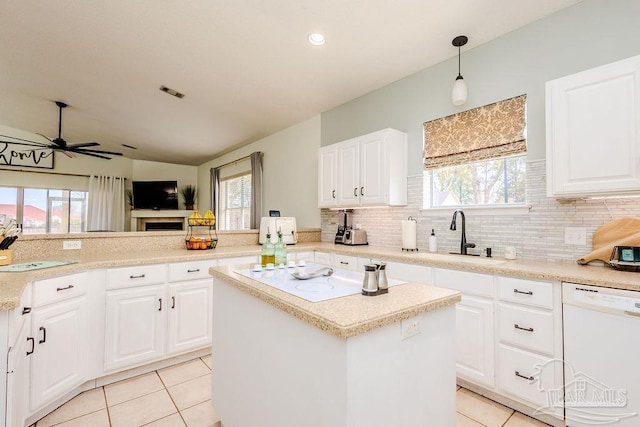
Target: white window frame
[[223, 203]]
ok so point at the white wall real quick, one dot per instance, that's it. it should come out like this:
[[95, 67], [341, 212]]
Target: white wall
[[290, 172]]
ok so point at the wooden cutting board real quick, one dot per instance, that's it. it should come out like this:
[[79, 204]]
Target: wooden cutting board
[[619, 232]]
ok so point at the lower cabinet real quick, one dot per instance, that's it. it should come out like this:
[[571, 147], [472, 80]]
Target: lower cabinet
[[135, 326], [57, 344], [190, 312], [475, 340], [18, 380]]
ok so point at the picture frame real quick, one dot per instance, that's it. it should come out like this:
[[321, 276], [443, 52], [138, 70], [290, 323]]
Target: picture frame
[[25, 155]]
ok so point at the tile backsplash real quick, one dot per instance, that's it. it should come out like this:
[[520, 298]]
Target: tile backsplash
[[538, 235]]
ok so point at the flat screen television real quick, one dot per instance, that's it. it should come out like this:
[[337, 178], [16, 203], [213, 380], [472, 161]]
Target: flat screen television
[[155, 195]]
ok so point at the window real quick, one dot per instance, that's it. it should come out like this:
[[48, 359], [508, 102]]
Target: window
[[235, 203], [477, 157], [488, 182], [45, 211]]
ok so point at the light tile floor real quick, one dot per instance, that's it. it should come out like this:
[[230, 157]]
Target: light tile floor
[[180, 395]]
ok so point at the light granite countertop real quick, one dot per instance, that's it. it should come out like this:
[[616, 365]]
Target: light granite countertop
[[12, 284], [350, 315]]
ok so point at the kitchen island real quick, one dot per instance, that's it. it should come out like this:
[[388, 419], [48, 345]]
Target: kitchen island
[[283, 361]]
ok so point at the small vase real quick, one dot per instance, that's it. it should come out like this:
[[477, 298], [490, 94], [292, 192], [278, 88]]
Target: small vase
[[188, 207]]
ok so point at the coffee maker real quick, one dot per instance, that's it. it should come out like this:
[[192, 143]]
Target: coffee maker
[[344, 225]]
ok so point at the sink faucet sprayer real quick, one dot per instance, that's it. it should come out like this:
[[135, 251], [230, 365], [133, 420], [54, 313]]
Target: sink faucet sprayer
[[463, 241]]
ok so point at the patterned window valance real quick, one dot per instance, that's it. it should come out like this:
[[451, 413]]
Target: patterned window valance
[[494, 130]]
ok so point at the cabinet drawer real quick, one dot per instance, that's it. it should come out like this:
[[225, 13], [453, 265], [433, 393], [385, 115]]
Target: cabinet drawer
[[525, 291], [409, 272], [526, 327], [464, 281], [345, 261], [136, 276], [323, 258], [526, 375], [191, 270], [59, 288], [251, 260]]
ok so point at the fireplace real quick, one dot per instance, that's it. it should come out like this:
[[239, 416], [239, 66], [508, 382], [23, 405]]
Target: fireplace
[[163, 226]]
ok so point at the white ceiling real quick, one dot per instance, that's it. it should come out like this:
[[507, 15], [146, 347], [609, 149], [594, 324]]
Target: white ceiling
[[245, 66]]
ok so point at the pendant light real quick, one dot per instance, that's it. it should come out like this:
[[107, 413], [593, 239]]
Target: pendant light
[[459, 92]]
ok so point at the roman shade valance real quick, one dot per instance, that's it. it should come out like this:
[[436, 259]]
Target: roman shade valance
[[487, 132]]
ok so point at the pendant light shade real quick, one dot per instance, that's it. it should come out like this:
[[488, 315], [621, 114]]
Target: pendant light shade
[[459, 92]]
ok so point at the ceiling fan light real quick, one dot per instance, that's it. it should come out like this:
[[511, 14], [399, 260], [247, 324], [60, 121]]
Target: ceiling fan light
[[459, 92]]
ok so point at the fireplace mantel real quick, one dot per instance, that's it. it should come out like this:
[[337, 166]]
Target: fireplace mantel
[[141, 216]]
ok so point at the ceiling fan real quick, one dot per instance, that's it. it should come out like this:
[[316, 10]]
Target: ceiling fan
[[59, 144]]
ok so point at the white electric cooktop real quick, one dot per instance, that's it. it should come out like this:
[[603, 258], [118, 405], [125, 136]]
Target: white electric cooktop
[[340, 284]]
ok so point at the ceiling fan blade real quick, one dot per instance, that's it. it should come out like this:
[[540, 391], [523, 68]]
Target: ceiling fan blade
[[24, 140], [69, 154], [45, 137], [86, 150], [92, 154], [83, 144]]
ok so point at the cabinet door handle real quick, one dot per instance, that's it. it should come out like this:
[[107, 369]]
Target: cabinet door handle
[[522, 329], [362, 191], [33, 345], [139, 276], [26, 310], [193, 271], [44, 335], [518, 374], [344, 262], [516, 291], [355, 192], [173, 302], [65, 288], [160, 301], [333, 194]]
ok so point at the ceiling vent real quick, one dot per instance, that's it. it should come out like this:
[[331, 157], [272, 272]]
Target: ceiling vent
[[171, 92]]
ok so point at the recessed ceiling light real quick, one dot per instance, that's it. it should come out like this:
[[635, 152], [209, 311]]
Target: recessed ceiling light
[[316, 39]]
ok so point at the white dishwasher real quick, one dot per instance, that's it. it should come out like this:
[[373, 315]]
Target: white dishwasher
[[601, 355]]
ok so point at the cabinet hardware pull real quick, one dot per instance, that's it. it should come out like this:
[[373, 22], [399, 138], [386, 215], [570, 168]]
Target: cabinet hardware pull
[[44, 335], [516, 291], [355, 192], [362, 191], [65, 288], [33, 345], [333, 194], [344, 262], [160, 301], [193, 271], [518, 374], [140, 276], [173, 302], [522, 329], [26, 310]]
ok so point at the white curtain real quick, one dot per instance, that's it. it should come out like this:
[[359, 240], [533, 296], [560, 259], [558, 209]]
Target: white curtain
[[106, 210]]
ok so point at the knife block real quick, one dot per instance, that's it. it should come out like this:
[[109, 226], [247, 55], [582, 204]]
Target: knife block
[[5, 257]]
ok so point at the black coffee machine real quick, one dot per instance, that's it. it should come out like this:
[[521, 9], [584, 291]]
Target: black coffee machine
[[344, 224]]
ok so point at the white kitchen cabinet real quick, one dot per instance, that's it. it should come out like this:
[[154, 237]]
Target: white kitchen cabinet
[[135, 326], [370, 170], [17, 361], [190, 312], [593, 131], [347, 262], [58, 338], [475, 337], [328, 177]]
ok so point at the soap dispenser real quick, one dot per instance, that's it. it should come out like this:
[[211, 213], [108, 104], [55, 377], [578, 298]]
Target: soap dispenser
[[433, 242]]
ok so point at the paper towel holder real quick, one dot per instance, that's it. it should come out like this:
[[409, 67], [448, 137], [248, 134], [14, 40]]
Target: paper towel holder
[[411, 249]]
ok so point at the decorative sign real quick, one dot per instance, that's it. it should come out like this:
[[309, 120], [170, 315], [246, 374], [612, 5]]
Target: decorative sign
[[24, 155]]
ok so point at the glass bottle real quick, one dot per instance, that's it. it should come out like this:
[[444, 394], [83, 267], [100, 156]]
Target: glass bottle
[[281, 251], [268, 252]]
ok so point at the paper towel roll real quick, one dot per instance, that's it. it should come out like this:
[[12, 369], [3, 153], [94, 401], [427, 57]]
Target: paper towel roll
[[409, 236]]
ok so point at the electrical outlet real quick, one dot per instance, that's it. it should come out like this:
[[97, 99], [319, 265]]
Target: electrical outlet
[[410, 327], [575, 236], [71, 244]]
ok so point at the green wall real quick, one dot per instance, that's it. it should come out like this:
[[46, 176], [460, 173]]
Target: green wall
[[591, 33]]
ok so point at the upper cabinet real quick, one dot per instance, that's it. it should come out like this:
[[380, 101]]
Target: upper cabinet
[[593, 131], [369, 170]]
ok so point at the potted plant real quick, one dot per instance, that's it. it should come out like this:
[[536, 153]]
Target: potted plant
[[129, 194], [189, 194]]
